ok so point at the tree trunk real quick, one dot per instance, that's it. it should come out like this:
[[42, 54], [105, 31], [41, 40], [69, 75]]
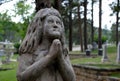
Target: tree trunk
[[100, 32], [42, 4], [57, 4], [92, 32], [117, 19], [70, 25], [85, 24], [79, 22]]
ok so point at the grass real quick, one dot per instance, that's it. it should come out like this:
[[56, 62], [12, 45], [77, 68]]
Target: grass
[[105, 66], [115, 75], [8, 75], [95, 60], [111, 53]]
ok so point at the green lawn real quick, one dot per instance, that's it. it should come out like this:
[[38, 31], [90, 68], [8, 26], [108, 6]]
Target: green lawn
[[111, 53], [8, 75]]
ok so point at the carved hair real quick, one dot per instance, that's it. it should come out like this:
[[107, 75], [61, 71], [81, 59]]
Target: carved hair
[[35, 31]]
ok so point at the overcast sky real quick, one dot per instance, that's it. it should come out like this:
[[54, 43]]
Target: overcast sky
[[106, 19], [10, 6]]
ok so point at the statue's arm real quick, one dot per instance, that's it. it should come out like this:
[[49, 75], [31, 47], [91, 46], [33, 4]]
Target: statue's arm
[[28, 71], [66, 69]]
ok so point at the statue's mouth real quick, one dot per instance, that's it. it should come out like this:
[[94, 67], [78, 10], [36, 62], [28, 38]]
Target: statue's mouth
[[55, 30]]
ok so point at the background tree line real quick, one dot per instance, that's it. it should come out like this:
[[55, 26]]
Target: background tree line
[[78, 28]]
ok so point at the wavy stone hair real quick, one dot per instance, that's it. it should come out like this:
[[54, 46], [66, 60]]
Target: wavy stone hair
[[34, 33]]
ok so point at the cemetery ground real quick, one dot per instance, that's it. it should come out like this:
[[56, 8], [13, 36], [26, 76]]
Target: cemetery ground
[[8, 71]]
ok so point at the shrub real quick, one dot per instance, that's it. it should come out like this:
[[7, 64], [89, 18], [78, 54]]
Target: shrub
[[103, 38], [17, 45]]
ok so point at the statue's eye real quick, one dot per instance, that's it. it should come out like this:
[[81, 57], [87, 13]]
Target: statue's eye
[[58, 22], [50, 21]]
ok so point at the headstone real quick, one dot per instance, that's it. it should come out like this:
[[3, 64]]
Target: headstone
[[1, 54], [104, 56], [9, 54], [118, 53], [7, 50], [94, 45], [0, 62]]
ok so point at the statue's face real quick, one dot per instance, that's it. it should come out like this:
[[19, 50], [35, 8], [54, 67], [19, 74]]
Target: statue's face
[[52, 27]]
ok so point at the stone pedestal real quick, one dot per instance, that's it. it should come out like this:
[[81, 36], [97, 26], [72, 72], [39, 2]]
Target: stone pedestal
[[100, 52], [104, 56], [118, 53], [9, 54], [1, 54], [0, 62], [88, 52]]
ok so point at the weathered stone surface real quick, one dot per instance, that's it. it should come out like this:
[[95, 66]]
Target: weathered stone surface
[[118, 54], [43, 53], [86, 73], [104, 56]]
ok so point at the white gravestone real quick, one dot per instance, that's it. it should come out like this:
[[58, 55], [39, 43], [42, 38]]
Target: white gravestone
[[118, 53], [104, 56]]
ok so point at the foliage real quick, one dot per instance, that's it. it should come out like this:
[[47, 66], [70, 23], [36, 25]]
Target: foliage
[[7, 27], [4, 19], [15, 31], [113, 33], [104, 39], [22, 10], [17, 45], [114, 7]]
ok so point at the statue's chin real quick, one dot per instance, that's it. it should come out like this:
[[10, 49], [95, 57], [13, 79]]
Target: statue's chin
[[54, 35]]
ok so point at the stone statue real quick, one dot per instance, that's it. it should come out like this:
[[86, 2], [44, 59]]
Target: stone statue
[[43, 54]]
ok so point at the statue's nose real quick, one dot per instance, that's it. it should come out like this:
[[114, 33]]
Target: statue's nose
[[55, 25]]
